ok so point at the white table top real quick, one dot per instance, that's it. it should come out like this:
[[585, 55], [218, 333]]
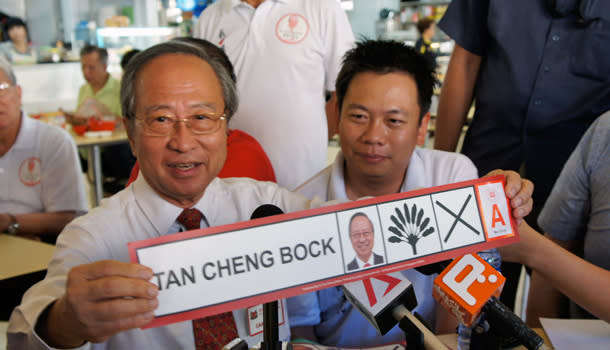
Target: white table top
[[20, 256], [118, 136]]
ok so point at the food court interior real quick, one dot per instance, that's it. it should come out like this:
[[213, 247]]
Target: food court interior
[[58, 29]]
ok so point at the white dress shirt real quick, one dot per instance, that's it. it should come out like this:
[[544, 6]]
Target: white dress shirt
[[41, 172], [134, 214], [336, 322]]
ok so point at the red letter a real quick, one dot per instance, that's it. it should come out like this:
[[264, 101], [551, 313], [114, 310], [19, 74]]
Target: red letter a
[[496, 216]]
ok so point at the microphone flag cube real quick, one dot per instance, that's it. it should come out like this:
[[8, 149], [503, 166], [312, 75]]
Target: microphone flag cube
[[377, 296], [466, 285]]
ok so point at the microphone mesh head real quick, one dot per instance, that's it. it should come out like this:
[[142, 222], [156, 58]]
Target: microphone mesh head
[[266, 210]]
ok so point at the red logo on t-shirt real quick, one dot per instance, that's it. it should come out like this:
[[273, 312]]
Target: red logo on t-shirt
[[292, 28], [30, 171]]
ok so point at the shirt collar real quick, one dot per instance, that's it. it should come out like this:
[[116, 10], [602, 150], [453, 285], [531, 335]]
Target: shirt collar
[[107, 85], [336, 185], [234, 3], [415, 177], [161, 213], [362, 263]]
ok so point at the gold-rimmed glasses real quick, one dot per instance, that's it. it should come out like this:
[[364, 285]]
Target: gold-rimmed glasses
[[358, 235], [5, 88], [164, 125]]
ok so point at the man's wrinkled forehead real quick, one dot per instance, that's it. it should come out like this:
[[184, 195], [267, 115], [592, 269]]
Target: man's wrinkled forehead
[[146, 75]]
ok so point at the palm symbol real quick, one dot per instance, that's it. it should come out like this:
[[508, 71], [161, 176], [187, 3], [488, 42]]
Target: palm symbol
[[409, 227]]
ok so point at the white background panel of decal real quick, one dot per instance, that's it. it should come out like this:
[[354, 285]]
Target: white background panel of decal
[[409, 232], [495, 211], [281, 255], [458, 218]]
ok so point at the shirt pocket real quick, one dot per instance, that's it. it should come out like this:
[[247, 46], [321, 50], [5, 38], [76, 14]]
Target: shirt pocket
[[591, 59]]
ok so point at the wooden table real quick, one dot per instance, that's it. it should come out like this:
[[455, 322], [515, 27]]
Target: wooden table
[[20, 256], [93, 146]]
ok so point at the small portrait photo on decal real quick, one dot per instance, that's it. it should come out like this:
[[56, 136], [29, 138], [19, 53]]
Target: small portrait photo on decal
[[361, 238]]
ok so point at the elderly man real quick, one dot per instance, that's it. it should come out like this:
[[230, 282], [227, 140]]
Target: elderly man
[[100, 85], [362, 236], [99, 97], [177, 100], [42, 187], [384, 90]]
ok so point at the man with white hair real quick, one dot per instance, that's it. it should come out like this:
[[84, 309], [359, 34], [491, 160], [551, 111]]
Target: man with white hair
[[42, 185]]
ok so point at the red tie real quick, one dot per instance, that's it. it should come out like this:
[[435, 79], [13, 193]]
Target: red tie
[[212, 332], [366, 265], [190, 218]]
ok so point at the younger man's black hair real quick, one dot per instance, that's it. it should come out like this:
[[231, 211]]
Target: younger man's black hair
[[382, 57]]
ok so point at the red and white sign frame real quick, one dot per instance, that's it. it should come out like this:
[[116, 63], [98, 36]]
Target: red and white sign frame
[[180, 261]]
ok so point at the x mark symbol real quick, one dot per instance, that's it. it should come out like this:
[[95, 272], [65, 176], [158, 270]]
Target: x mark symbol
[[457, 217]]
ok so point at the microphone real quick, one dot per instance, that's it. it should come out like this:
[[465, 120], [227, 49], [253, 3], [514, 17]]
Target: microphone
[[270, 319], [385, 300], [266, 210], [469, 286]]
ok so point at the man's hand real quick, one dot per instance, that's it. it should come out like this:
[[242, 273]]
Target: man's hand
[[102, 299], [519, 191]]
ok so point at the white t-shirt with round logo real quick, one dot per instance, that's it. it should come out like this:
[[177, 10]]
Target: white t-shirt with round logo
[[286, 53], [41, 172]]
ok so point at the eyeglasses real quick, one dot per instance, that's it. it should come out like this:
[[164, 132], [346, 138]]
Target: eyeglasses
[[358, 235], [164, 125], [5, 88]]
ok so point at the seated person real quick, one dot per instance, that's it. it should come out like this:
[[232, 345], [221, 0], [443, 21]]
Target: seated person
[[102, 89], [18, 49], [384, 91], [43, 188], [100, 85], [179, 162], [576, 216]]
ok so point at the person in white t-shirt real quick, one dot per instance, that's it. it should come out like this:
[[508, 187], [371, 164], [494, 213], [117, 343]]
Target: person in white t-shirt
[[177, 99], [42, 188], [384, 91], [286, 54]]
